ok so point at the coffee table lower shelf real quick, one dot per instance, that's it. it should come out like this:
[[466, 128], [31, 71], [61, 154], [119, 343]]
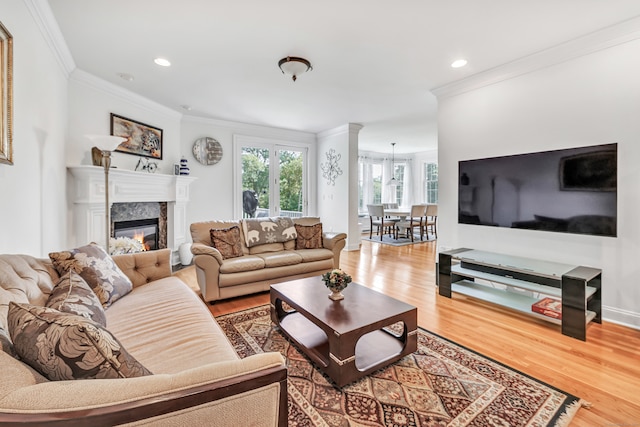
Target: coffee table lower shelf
[[372, 349]]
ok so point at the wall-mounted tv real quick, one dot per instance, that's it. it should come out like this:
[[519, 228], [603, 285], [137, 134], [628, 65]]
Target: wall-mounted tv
[[569, 191]]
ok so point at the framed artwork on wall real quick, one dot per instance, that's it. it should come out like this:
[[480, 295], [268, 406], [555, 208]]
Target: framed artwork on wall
[[142, 139], [6, 91]]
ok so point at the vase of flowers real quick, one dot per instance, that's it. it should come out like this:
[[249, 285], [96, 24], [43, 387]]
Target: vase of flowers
[[336, 280], [125, 245]]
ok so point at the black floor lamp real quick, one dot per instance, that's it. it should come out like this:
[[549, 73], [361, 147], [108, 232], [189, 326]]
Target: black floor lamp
[[106, 144]]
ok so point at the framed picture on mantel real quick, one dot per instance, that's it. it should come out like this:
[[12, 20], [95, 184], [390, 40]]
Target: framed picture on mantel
[[142, 139]]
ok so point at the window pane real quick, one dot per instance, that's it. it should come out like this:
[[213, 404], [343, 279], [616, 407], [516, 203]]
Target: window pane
[[377, 183], [255, 181], [398, 173], [431, 182], [291, 201]]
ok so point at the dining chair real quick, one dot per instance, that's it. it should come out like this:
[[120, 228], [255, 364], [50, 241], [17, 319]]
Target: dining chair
[[414, 221], [393, 218], [431, 217], [377, 219]]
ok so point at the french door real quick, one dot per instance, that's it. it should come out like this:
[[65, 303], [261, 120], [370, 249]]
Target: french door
[[271, 179]]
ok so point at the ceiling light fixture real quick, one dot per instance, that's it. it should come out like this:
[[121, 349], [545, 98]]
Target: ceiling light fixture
[[162, 62], [393, 181], [459, 63], [294, 66]]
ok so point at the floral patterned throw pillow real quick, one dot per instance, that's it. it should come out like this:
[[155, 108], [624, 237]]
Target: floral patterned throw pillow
[[72, 295], [227, 241], [97, 268], [309, 236], [63, 346]]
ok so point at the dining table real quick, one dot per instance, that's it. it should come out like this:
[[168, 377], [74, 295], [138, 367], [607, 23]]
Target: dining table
[[399, 212]]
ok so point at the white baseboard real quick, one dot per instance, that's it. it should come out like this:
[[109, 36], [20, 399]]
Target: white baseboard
[[622, 317]]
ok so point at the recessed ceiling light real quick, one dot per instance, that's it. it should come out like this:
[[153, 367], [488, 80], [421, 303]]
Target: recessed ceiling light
[[459, 63], [162, 62], [186, 107], [125, 76]]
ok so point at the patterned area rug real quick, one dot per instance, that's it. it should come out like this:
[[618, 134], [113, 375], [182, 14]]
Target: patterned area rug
[[400, 241], [441, 384]]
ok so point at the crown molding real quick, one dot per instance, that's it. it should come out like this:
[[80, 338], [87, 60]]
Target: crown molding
[[346, 128], [598, 40], [121, 93], [263, 131], [48, 26]]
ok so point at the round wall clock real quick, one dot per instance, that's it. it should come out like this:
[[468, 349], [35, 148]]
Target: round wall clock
[[207, 151]]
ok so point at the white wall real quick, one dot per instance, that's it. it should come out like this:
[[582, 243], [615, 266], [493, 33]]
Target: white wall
[[91, 102], [32, 191], [212, 194], [590, 100], [338, 202]]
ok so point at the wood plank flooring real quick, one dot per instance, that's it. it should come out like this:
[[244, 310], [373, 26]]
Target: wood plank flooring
[[604, 370]]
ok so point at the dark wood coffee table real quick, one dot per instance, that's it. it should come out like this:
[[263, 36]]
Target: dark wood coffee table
[[345, 338]]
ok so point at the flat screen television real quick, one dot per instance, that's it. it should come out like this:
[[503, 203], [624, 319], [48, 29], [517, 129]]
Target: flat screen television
[[568, 191]]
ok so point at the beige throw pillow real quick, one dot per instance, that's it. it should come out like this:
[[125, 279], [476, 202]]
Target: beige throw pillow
[[63, 346], [227, 241], [309, 236], [97, 268]]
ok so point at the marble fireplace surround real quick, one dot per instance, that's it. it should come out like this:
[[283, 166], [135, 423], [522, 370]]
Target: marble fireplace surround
[[127, 186], [136, 211]]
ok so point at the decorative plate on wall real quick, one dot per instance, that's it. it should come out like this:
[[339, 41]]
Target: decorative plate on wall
[[207, 151]]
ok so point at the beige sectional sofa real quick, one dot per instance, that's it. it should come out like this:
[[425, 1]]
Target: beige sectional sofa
[[261, 264], [197, 377]]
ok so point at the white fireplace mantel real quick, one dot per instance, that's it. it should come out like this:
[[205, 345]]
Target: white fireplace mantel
[[126, 186]]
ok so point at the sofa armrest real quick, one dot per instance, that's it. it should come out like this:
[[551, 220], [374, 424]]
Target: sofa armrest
[[145, 267], [335, 242], [202, 249], [207, 261], [238, 392], [331, 239]]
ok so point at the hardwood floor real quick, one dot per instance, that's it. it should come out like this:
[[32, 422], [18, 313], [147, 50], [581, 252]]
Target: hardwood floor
[[604, 370]]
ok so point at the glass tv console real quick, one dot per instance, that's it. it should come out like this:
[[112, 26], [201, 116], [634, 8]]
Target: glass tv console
[[524, 285]]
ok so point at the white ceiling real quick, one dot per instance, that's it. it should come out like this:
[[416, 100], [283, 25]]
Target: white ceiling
[[374, 61]]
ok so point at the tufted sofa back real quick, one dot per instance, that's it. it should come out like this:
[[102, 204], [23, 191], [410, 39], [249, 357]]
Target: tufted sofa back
[[145, 267], [24, 279], [306, 220]]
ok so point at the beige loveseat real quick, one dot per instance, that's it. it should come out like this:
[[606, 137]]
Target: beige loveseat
[[260, 265], [197, 377]]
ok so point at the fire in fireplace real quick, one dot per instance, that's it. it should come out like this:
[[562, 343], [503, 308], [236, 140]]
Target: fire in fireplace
[[144, 230]]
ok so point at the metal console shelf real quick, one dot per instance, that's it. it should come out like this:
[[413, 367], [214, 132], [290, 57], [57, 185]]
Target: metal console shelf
[[512, 282]]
